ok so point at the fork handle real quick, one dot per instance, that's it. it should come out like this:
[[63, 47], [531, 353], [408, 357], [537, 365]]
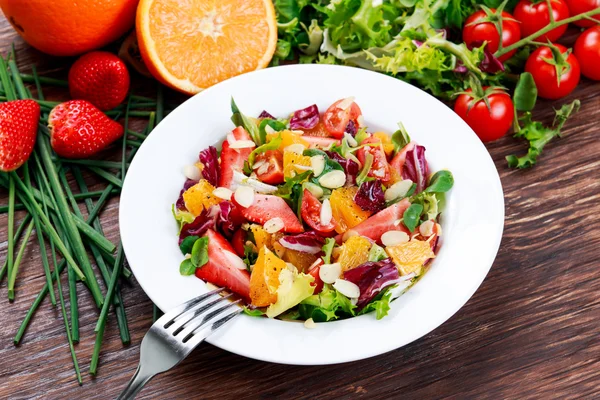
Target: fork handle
[[136, 384]]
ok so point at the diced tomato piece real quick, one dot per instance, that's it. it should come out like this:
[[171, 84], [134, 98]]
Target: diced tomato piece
[[311, 213], [336, 119], [271, 170], [219, 270], [383, 221], [266, 207], [380, 168], [233, 159]]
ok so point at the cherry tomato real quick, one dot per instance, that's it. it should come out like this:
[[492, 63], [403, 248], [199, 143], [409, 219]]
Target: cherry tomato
[[380, 168], [587, 52], [336, 119], [311, 213], [476, 32], [238, 240], [534, 16], [577, 7], [489, 124], [544, 73], [271, 169]]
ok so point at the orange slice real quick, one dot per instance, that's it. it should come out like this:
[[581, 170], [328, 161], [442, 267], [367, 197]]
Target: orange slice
[[410, 256], [194, 44], [354, 252], [264, 280], [199, 197], [346, 212]]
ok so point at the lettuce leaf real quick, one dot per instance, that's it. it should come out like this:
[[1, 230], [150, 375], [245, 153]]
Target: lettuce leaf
[[293, 288]]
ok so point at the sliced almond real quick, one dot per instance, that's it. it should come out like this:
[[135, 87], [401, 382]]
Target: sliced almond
[[192, 172], [318, 164], [361, 121], [223, 193], [316, 190], [244, 195], [394, 238], [263, 169], [297, 148], [426, 228], [349, 233], [269, 129], [333, 179], [347, 288], [397, 222], [274, 225], [297, 132], [242, 144], [326, 213], [258, 163], [438, 229], [351, 141], [329, 273], [234, 260], [347, 102], [398, 189], [231, 139], [310, 324]]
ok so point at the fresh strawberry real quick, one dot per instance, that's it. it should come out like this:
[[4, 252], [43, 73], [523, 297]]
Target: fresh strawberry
[[238, 241], [233, 159], [220, 270], [399, 159], [317, 142], [78, 129], [266, 207], [18, 128], [100, 78], [385, 220]]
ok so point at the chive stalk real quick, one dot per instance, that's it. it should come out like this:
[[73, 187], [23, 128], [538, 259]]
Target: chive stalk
[[16, 237], [13, 275], [11, 225], [106, 175]]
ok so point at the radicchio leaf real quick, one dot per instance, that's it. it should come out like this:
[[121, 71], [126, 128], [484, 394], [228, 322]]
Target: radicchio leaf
[[350, 166], [351, 128], [210, 161], [490, 63], [203, 222], [371, 277], [180, 204], [370, 196], [307, 118], [230, 218], [460, 68], [266, 114], [416, 168], [308, 242]]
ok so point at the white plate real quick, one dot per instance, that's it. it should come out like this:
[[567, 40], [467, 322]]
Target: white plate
[[472, 223]]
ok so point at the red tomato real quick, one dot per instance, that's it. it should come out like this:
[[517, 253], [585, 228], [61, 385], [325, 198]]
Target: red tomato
[[476, 32], [535, 16], [544, 73], [587, 52], [579, 7], [311, 213], [489, 124], [380, 168], [336, 119], [271, 170], [238, 240]]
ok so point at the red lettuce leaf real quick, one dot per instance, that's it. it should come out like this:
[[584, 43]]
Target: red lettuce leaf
[[370, 196], [203, 222], [350, 167], [229, 219], [416, 168], [266, 114], [210, 160], [351, 128], [307, 118], [372, 277], [308, 242], [180, 204]]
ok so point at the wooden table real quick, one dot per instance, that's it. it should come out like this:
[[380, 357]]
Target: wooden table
[[530, 331]]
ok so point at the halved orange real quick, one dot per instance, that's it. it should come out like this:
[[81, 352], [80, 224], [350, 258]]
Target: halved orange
[[191, 45]]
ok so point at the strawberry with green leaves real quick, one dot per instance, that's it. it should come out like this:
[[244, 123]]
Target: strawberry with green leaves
[[18, 129]]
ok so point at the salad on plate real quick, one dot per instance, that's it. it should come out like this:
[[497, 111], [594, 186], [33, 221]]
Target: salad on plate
[[311, 216]]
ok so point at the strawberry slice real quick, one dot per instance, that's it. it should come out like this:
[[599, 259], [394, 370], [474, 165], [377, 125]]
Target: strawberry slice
[[266, 207], [219, 269], [399, 159], [383, 221], [233, 159], [18, 129], [316, 142]]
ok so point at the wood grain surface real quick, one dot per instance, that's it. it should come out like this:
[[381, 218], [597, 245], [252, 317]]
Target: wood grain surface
[[529, 332]]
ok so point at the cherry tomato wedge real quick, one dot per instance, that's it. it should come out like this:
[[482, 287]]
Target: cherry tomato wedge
[[587, 51], [534, 16], [477, 31], [336, 119], [545, 77], [311, 213], [380, 168], [270, 167]]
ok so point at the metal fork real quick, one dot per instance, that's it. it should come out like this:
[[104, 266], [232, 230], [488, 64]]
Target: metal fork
[[174, 335]]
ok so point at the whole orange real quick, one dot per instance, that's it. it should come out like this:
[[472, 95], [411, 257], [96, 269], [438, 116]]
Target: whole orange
[[68, 27]]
